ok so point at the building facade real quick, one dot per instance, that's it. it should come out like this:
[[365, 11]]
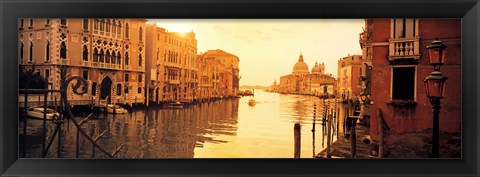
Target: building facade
[[396, 49], [349, 72], [172, 65], [108, 53]]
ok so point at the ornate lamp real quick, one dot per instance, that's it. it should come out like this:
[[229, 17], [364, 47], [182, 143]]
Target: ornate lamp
[[435, 85], [436, 54]]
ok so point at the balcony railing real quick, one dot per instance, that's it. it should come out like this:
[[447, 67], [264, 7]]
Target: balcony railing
[[95, 64], [102, 65], [86, 63], [174, 81], [127, 67], [404, 48], [64, 61]]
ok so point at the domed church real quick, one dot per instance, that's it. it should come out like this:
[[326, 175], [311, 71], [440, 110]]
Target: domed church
[[300, 68], [301, 81]]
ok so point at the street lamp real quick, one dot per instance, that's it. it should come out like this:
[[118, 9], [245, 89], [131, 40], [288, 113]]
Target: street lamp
[[435, 89]]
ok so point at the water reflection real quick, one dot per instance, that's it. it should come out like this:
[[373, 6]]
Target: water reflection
[[221, 129]]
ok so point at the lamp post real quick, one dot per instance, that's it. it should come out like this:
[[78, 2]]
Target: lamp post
[[435, 89]]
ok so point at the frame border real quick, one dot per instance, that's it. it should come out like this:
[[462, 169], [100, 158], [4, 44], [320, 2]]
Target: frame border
[[468, 10]]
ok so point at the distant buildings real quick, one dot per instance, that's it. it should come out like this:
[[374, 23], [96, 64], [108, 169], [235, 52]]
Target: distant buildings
[[395, 49], [349, 72], [301, 81]]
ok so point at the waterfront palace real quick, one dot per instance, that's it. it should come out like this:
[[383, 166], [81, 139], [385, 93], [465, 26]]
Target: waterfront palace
[[125, 61]]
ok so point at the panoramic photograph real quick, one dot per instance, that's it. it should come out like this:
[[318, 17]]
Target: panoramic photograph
[[239, 88]]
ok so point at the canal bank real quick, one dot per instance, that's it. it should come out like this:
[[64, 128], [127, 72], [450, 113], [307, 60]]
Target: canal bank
[[342, 148]]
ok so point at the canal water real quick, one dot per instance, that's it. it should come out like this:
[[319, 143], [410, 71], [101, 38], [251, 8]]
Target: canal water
[[228, 128]]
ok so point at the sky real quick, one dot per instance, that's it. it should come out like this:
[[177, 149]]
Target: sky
[[269, 48]]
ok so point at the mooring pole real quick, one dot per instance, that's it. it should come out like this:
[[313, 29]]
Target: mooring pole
[[297, 139], [329, 131], [44, 123]]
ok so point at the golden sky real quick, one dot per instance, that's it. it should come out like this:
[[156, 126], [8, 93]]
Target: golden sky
[[268, 48]]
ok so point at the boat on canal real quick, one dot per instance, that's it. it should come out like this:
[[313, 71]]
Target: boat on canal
[[116, 109], [252, 102], [176, 105], [38, 112]]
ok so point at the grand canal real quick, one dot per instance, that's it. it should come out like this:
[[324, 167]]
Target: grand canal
[[228, 128]]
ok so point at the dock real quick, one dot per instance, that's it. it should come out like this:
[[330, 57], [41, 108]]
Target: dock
[[341, 147]]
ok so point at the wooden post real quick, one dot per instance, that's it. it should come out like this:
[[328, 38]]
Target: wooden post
[[353, 141], [329, 131], [297, 139], [380, 133]]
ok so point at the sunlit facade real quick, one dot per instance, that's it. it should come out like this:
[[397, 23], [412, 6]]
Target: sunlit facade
[[108, 53]]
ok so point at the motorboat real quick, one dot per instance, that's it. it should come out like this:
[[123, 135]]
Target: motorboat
[[38, 112], [252, 102], [116, 109], [176, 105]]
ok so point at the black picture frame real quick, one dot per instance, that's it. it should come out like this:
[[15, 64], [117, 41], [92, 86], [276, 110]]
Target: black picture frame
[[10, 11]]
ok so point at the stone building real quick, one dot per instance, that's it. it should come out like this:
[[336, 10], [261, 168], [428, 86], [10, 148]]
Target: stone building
[[349, 72], [301, 81], [108, 53], [172, 65], [222, 70], [396, 49]]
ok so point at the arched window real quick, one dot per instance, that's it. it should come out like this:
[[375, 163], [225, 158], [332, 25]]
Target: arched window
[[126, 58], [63, 50], [140, 34], [21, 51], [108, 26], [47, 73], [95, 55], [31, 52], [94, 88], [107, 58], [119, 29], [113, 57], [85, 23], [165, 56], [85, 53], [127, 31], [139, 59], [102, 56], [47, 51], [119, 89], [95, 24], [102, 24], [119, 58]]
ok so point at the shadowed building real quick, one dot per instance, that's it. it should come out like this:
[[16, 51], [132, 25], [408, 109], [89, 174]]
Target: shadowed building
[[349, 71], [397, 51]]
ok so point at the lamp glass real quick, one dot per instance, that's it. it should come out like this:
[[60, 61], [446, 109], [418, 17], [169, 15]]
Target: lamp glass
[[435, 88]]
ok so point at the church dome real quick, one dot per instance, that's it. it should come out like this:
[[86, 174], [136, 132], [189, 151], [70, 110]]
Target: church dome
[[300, 67], [316, 69]]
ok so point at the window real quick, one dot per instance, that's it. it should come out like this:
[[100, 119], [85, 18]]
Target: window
[[119, 29], [47, 21], [126, 77], [21, 23], [101, 56], [125, 89], [38, 72], [85, 74], [139, 59], [95, 55], [403, 83], [94, 88], [31, 22], [126, 58], [107, 58], [139, 90], [31, 52], [47, 74], [139, 78], [127, 31], [404, 28], [21, 51], [108, 26], [119, 58], [140, 34], [113, 57], [119, 89], [95, 24], [85, 24], [63, 22], [63, 50], [85, 53], [47, 51]]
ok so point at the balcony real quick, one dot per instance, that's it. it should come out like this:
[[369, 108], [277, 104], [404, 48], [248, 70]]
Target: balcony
[[102, 65], [174, 81], [405, 48], [127, 67], [86, 63], [64, 61]]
